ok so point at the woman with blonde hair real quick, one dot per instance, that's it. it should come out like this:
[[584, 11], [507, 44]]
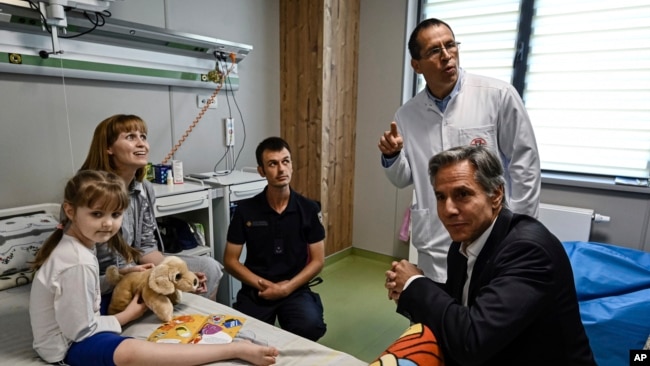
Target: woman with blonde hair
[[119, 145]]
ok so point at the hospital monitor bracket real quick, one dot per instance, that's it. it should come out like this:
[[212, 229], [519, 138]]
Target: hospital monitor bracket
[[54, 13]]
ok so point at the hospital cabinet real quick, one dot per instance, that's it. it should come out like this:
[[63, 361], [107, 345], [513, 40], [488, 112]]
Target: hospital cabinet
[[228, 190], [191, 202]]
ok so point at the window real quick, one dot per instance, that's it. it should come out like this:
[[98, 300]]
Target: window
[[487, 31], [586, 80]]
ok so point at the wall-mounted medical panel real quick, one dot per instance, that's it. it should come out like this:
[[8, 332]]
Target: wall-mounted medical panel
[[116, 51]]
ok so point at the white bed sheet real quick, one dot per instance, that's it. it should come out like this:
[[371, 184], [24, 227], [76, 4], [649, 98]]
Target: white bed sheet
[[16, 334]]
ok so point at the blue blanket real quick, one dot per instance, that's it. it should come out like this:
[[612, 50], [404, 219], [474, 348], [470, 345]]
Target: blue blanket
[[613, 285]]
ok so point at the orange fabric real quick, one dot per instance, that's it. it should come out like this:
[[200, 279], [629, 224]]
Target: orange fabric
[[416, 346]]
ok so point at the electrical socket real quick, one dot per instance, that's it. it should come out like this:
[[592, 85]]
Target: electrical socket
[[202, 100], [229, 131]]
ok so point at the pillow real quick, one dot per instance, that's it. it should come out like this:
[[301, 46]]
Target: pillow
[[417, 346], [20, 238]]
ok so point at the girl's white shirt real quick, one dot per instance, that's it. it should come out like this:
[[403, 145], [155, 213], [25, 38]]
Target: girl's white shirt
[[65, 300]]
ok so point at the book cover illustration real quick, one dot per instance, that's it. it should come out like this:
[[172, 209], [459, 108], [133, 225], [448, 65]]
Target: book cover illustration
[[198, 329]]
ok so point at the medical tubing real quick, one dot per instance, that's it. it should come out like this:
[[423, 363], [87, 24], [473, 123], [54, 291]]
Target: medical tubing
[[201, 112]]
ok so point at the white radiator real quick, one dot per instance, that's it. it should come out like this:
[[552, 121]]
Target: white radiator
[[567, 223]]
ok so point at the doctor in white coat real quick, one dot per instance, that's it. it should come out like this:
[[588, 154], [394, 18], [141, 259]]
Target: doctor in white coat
[[456, 108]]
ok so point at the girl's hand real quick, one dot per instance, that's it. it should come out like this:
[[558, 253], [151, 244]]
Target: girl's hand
[[133, 311], [136, 268]]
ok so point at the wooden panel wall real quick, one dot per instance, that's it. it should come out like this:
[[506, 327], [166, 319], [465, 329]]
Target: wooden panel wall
[[319, 42]]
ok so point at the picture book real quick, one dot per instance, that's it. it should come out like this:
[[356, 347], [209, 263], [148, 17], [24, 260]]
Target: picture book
[[198, 328]]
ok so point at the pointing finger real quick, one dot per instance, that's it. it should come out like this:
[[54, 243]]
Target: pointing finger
[[393, 129]]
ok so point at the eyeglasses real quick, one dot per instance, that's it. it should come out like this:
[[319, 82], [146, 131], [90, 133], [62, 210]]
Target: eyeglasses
[[450, 47]]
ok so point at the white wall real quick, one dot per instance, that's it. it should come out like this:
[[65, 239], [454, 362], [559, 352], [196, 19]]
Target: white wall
[[46, 123], [378, 205]]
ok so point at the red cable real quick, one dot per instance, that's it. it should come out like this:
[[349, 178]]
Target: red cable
[[201, 112]]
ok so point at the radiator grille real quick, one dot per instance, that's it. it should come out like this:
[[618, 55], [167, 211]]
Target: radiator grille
[[567, 223]]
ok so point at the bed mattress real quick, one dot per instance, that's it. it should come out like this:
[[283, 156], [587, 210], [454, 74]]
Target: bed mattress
[[16, 335]]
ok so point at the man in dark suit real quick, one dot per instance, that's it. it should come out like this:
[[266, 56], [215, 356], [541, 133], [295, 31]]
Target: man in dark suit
[[510, 298]]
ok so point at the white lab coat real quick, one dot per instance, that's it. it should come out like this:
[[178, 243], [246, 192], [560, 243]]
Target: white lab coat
[[485, 110]]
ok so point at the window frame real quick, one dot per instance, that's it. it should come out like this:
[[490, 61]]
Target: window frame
[[518, 80]]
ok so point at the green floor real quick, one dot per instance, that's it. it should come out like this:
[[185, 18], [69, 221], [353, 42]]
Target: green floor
[[360, 319]]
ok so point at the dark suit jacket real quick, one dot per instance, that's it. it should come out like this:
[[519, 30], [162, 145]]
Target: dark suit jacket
[[522, 304]]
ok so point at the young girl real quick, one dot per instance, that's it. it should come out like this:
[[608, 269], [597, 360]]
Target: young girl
[[65, 295]]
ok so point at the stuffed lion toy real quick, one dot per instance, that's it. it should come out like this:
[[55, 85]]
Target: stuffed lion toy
[[160, 287]]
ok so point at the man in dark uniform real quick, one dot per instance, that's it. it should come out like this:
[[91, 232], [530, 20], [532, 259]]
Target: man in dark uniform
[[284, 236]]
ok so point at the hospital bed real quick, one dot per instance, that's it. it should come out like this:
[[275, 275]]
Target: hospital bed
[[23, 229]]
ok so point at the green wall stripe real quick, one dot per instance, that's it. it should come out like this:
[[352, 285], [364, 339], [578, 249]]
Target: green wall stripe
[[109, 68]]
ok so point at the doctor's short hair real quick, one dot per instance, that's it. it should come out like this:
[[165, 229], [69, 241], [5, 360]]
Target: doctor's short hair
[[415, 48], [272, 144], [489, 171]]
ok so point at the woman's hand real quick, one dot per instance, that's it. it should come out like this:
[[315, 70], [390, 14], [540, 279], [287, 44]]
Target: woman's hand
[[203, 283]]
